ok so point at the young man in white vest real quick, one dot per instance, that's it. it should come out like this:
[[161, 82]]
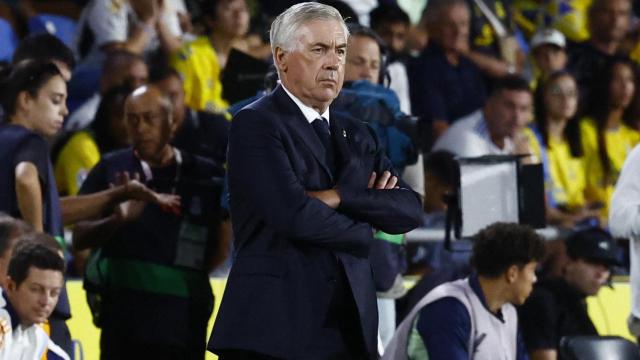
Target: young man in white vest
[[475, 318]]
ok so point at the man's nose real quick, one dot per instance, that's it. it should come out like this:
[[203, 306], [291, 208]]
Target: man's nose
[[332, 61]]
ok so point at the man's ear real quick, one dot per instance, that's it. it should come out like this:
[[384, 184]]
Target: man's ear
[[512, 273], [280, 58], [11, 285]]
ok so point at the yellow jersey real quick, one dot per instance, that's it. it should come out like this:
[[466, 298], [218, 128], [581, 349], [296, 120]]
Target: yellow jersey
[[198, 66], [619, 142], [565, 179], [77, 157], [568, 16]]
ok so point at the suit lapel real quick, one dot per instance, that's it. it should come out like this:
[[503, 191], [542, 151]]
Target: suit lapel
[[301, 128]]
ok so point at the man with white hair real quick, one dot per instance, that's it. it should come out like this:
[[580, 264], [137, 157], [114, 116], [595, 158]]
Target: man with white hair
[[307, 186]]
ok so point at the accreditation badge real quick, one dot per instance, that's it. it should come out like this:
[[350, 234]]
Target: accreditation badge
[[192, 239], [192, 243]]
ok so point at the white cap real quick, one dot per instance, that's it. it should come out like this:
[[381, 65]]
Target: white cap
[[548, 37]]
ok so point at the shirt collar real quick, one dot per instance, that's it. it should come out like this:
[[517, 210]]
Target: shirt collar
[[482, 129], [474, 283], [309, 113]]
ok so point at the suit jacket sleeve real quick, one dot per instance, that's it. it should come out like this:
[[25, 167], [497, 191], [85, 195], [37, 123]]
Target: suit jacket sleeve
[[260, 170], [393, 211]]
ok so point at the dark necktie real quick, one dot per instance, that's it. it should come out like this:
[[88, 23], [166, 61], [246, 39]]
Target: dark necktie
[[321, 127]]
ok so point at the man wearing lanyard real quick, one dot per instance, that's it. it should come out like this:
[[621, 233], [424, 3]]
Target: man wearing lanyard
[[157, 298]]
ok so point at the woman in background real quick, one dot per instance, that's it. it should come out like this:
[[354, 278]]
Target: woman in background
[[606, 136], [554, 139]]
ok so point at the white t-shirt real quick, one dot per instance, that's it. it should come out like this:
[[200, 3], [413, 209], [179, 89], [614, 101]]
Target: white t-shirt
[[469, 137], [362, 8], [83, 116], [400, 84], [107, 21]]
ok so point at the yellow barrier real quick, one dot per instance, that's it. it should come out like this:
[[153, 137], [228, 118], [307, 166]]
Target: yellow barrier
[[609, 311], [82, 328]]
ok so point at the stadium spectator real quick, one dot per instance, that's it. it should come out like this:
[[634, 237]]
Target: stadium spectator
[[201, 61], [548, 48], [138, 26], [555, 141], [33, 96], [120, 68], [497, 128], [445, 85], [35, 282], [197, 132], [475, 317], [606, 136], [567, 16], [364, 97], [557, 307], [392, 24], [82, 150], [493, 45], [157, 299], [609, 22]]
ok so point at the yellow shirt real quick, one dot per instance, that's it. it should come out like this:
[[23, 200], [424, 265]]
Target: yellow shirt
[[566, 183], [78, 156], [199, 68], [568, 16], [619, 142]]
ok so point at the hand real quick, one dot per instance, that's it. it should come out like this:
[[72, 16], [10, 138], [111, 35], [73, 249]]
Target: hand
[[330, 197], [148, 11], [521, 147], [135, 190], [385, 182], [129, 211]]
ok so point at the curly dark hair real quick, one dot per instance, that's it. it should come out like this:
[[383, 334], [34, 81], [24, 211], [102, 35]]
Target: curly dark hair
[[501, 245]]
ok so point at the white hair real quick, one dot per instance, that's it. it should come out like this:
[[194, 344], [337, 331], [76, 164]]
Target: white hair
[[284, 29]]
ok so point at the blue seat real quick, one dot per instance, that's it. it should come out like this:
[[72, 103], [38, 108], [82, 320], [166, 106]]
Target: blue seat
[[62, 27], [8, 39]]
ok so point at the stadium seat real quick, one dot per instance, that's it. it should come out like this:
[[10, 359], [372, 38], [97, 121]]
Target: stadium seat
[[8, 39], [598, 347], [62, 27]]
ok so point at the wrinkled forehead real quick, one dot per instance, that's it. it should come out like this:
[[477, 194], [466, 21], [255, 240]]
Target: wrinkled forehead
[[328, 32]]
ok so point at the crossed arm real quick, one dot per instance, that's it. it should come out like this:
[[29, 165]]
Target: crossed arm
[[256, 148]]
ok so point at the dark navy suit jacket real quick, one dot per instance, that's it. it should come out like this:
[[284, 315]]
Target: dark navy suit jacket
[[286, 241]]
